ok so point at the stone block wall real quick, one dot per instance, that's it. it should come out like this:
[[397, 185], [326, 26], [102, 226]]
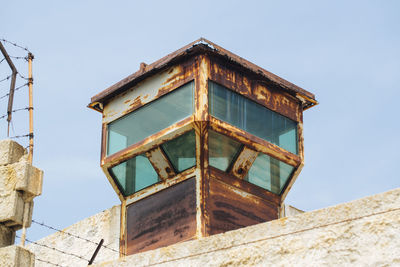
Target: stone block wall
[[15, 256], [20, 182]]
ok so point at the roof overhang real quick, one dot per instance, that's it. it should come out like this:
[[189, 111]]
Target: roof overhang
[[200, 46]]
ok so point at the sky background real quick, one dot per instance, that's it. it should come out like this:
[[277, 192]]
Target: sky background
[[345, 52]]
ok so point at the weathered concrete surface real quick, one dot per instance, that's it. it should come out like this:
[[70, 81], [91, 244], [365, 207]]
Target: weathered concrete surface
[[20, 176], [16, 256], [288, 210], [12, 209], [7, 236], [29, 179], [10, 152], [364, 232], [20, 182], [104, 225]]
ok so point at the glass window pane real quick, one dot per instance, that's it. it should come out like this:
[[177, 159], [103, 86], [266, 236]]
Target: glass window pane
[[222, 150], [269, 173], [134, 174], [181, 151], [150, 119], [252, 117]]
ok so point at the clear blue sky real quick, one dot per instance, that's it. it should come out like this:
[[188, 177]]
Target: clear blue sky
[[346, 52]]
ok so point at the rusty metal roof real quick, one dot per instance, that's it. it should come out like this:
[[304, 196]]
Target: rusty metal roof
[[199, 46]]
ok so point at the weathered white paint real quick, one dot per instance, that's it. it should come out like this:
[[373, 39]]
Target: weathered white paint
[[145, 91]]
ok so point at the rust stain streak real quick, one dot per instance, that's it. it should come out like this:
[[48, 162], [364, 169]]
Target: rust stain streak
[[244, 162], [160, 163]]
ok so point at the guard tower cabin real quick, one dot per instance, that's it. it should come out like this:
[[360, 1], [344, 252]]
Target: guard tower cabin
[[198, 143]]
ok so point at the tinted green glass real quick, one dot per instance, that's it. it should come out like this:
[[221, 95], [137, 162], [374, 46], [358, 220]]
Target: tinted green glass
[[181, 151], [269, 173], [252, 117], [222, 150], [150, 119], [134, 174]]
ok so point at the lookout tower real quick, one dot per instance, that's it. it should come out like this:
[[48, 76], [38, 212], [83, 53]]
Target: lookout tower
[[198, 143]]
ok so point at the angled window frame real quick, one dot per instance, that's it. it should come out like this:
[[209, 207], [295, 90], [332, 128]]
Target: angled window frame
[[107, 134], [257, 145], [253, 150], [160, 165], [212, 85]]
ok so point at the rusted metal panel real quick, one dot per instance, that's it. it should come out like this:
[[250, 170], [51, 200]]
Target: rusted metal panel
[[122, 233], [200, 46], [148, 90], [259, 91], [163, 219], [243, 162], [201, 129], [160, 163], [104, 137], [230, 208], [245, 186], [201, 85], [254, 142], [300, 139], [146, 192]]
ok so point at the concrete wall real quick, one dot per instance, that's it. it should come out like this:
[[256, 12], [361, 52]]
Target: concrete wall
[[15, 256], [104, 225], [20, 182], [364, 232]]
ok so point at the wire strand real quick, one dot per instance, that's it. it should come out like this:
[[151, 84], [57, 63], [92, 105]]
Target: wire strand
[[48, 262], [20, 136], [16, 89], [73, 235], [19, 57], [15, 110], [6, 78], [22, 76], [15, 44], [55, 249]]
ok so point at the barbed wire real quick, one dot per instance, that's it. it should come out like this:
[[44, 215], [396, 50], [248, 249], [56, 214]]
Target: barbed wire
[[55, 249], [20, 136], [45, 261], [54, 264], [16, 55], [73, 235], [15, 110], [15, 44], [19, 57], [16, 89], [22, 76], [6, 78]]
